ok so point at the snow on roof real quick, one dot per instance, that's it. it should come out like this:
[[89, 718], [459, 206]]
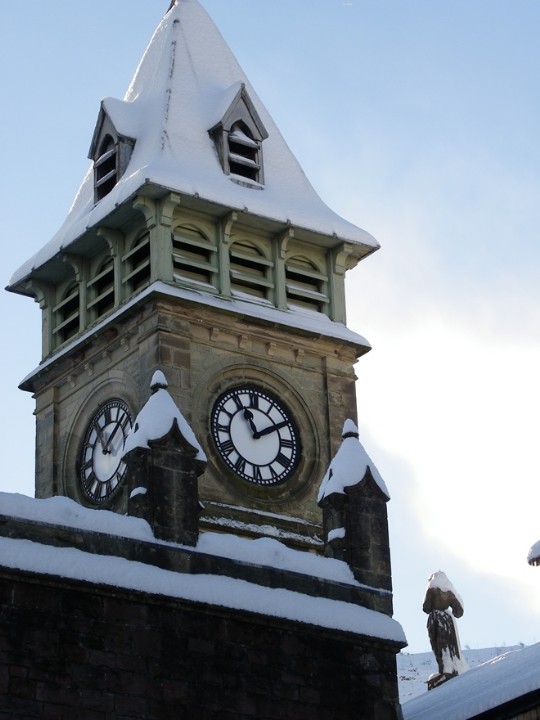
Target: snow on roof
[[216, 590], [349, 465], [179, 92], [305, 320], [156, 419], [505, 678]]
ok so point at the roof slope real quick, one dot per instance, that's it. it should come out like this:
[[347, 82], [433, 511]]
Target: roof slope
[[483, 688], [183, 86]]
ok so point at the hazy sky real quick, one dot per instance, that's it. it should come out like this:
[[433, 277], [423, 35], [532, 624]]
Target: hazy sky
[[419, 122]]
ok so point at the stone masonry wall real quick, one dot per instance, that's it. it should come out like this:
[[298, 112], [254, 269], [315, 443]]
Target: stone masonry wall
[[77, 650]]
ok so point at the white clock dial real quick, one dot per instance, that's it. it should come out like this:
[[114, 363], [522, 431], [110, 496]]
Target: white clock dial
[[102, 469], [255, 435]]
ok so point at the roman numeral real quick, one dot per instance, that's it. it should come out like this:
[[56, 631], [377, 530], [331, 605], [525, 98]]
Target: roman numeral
[[240, 464], [287, 443], [237, 402], [282, 460], [253, 400], [89, 479], [227, 447]]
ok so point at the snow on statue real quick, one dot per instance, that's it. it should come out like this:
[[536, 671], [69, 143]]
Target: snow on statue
[[443, 605]]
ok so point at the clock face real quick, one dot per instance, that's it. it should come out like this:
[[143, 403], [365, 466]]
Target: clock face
[[255, 436], [101, 466]]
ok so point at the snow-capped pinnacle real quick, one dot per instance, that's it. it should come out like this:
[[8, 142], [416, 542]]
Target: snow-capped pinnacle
[[156, 419], [159, 381], [349, 429], [349, 465]]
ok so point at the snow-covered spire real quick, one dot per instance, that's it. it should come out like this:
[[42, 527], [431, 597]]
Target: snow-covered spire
[[349, 465], [182, 89], [156, 419]]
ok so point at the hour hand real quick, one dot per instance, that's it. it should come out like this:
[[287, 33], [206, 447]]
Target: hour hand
[[101, 439], [249, 417], [270, 429]]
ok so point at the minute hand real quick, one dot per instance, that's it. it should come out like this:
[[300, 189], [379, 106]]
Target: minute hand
[[270, 429]]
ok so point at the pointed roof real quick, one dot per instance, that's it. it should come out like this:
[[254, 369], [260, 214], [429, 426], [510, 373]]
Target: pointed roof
[[184, 85]]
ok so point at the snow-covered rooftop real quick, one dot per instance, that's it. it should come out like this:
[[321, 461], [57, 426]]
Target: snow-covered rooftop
[[505, 678], [214, 589], [183, 85]]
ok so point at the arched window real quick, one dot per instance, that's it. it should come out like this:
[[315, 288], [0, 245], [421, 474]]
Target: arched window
[[194, 257], [306, 286], [105, 168], [137, 263], [250, 271], [67, 315], [101, 289]]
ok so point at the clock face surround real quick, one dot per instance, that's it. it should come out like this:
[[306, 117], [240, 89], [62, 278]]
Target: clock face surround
[[102, 469], [255, 435]]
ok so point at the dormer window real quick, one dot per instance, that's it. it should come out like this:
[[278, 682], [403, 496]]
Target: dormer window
[[110, 150], [105, 168], [238, 138], [244, 153]]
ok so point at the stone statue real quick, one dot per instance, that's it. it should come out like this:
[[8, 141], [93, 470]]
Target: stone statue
[[443, 604]]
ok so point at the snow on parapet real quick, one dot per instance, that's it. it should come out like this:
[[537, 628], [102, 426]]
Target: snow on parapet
[[215, 590], [182, 84], [349, 465], [157, 417]]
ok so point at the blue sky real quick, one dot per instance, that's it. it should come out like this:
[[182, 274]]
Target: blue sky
[[418, 121]]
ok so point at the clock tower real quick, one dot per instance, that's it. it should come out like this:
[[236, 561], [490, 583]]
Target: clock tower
[[196, 246]]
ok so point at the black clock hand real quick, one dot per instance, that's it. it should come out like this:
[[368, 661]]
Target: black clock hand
[[249, 417], [120, 423], [270, 429], [109, 441], [101, 439]]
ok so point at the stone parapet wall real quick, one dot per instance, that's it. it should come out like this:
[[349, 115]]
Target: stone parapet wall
[[72, 649]]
